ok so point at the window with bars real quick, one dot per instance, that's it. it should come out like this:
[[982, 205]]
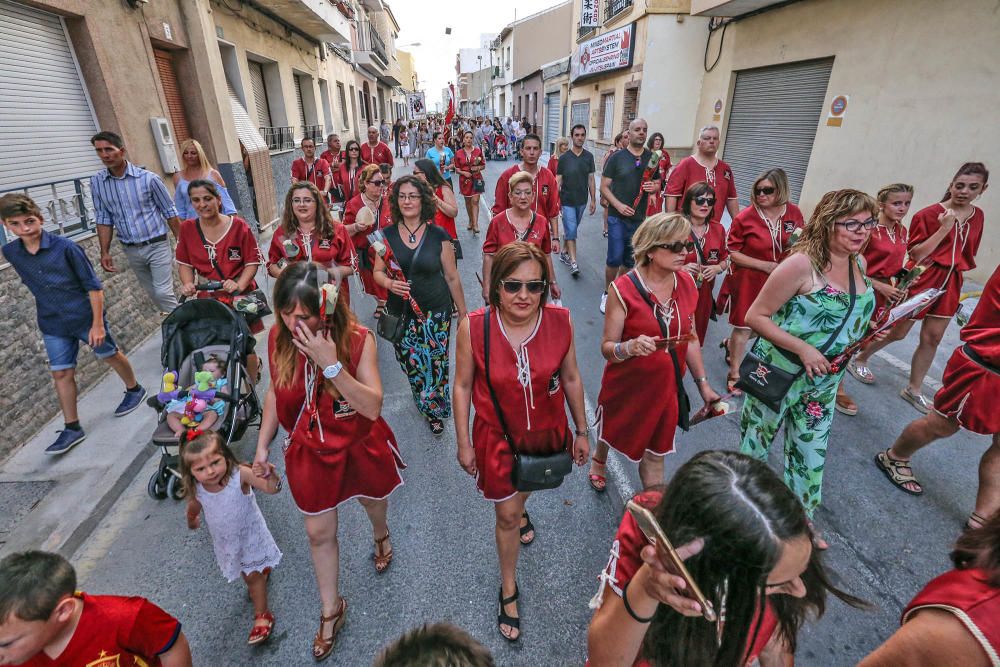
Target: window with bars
[[580, 114], [607, 116]]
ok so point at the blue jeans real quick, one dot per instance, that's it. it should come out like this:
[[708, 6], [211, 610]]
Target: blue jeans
[[620, 233], [572, 216], [63, 350]]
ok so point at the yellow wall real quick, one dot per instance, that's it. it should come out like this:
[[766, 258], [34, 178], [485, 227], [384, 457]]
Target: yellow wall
[[923, 95]]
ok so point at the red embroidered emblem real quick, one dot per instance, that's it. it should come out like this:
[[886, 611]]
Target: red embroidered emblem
[[761, 373]]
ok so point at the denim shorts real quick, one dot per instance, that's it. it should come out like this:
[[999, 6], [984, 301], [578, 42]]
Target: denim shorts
[[572, 216], [620, 233], [62, 350]]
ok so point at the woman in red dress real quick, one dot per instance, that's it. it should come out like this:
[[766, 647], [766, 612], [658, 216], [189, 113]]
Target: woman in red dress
[[349, 172], [748, 546], [654, 203], [561, 146], [518, 223], [444, 199], [470, 163], [218, 247], [758, 239], [326, 393], [640, 361], [944, 238], [365, 213], [309, 233], [534, 375], [710, 257]]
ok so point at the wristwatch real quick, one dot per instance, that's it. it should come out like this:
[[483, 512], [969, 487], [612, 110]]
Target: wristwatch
[[333, 370], [585, 431]]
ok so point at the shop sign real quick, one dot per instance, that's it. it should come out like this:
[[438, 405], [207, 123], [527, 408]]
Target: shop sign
[[589, 14], [610, 51]]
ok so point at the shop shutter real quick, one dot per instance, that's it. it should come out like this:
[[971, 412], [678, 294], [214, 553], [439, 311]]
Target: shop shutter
[[298, 101], [773, 121], [551, 121], [172, 91], [259, 93]]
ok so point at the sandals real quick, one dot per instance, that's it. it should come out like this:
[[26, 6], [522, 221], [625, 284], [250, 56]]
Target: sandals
[[260, 633], [893, 469], [916, 400], [846, 405], [322, 646], [382, 560], [504, 619], [731, 386], [976, 518], [528, 527], [598, 483], [724, 344], [861, 372]]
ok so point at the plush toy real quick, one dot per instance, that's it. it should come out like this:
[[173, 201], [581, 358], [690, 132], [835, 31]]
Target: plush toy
[[204, 388], [193, 412], [169, 385]]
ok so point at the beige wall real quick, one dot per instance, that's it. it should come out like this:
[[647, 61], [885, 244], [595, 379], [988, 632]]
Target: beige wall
[[922, 100], [541, 39]]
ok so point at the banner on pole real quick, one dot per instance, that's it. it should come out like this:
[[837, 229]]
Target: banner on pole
[[418, 108]]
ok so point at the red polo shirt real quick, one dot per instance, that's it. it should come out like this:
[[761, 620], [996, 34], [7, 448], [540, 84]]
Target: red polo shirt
[[544, 202]]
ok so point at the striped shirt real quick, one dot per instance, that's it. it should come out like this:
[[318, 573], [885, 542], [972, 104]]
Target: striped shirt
[[137, 204]]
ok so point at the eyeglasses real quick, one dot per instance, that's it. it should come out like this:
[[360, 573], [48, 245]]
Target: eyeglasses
[[409, 196], [676, 247], [858, 225], [704, 201], [533, 286], [764, 191], [379, 183]]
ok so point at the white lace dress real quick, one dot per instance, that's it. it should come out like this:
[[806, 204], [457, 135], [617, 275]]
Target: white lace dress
[[242, 542]]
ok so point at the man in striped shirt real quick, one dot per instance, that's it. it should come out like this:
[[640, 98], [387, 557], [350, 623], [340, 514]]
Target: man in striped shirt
[[135, 203]]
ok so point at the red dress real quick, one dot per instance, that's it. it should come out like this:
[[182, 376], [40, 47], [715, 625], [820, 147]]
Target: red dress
[[339, 454], [501, 232], [335, 251], [885, 253], [689, 171], [625, 561], [465, 163], [710, 251], [654, 203], [347, 180], [545, 197], [968, 392], [968, 595], [955, 254], [538, 406], [750, 235], [624, 423], [445, 222], [553, 165], [363, 247]]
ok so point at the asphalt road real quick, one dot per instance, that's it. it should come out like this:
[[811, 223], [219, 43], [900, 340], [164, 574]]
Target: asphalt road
[[884, 544]]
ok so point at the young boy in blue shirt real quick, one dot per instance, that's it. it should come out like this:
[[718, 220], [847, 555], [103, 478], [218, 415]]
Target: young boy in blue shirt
[[69, 299]]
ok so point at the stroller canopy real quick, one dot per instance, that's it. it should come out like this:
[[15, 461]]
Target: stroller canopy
[[197, 323]]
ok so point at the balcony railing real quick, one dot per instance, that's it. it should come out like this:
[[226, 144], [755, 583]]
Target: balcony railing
[[314, 132], [613, 8], [67, 204], [278, 138], [582, 32], [377, 44]]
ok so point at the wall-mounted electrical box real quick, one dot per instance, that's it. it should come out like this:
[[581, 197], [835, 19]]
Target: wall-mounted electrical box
[[163, 136]]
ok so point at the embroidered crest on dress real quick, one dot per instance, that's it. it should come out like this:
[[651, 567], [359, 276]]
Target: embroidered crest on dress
[[554, 383], [234, 254], [342, 409], [324, 244], [545, 191], [713, 255], [789, 226]]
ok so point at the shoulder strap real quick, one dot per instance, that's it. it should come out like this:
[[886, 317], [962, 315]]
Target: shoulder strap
[[416, 251], [215, 265], [847, 315], [698, 247], [489, 384]]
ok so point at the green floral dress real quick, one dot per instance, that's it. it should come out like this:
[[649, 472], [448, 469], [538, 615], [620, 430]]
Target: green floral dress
[[807, 410]]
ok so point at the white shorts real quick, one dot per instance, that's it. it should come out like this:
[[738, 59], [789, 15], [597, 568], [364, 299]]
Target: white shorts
[[405, 150]]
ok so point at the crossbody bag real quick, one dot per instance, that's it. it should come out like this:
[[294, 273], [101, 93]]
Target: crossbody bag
[[392, 325]]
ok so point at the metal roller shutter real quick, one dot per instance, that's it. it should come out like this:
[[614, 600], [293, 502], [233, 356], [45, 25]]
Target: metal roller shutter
[[260, 160], [259, 93], [773, 121], [551, 121], [298, 100], [172, 91]]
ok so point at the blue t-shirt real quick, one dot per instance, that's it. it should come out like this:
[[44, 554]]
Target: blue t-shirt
[[60, 276], [449, 159]]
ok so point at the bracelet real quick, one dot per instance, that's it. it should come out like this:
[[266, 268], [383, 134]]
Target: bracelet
[[700, 380], [616, 351], [628, 607], [585, 431]]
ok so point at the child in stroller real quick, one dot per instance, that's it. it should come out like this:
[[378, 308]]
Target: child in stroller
[[200, 406], [501, 147]]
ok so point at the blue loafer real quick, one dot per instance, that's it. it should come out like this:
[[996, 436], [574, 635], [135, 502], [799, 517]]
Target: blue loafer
[[68, 438], [132, 400]]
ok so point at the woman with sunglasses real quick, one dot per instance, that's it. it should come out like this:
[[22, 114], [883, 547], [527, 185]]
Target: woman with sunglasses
[[533, 374], [710, 257], [656, 200], [758, 240], [424, 255], [368, 211], [346, 177], [648, 328], [444, 198], [746, 543], [469, 164], [518, 223], [819, 297]]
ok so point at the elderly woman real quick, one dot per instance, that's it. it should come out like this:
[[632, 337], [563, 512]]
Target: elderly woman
[[710, 256], [815, 304], [532, 375], [420, 268], [758, 239], [365, 213], [197, 167], [519, 223], [326, 393], [649, 340]]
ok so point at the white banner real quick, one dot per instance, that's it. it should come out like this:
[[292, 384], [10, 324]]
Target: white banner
[[589, 13], [610, 51], [418, 108]]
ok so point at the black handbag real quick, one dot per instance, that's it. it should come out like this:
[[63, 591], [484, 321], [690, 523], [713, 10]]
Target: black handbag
[[392, 324], [683, 402], [251, 305], [531, 472], [768, 383], [458, 248], [478, 185]]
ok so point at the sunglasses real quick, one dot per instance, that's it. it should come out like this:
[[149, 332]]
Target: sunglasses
[[353, 148], [677, 246], [514, 286], [858, 225], [378, 183], [704, 201], [764, 191]]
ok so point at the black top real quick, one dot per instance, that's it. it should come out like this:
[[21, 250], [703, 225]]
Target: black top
[[427, 284], [625, 171], [575, 171]]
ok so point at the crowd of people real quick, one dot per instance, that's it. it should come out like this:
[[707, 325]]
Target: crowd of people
[[822, 295]]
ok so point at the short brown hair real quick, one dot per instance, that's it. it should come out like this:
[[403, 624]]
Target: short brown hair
[[16, 203], [780, 181], [428, 207], [32, 583], [435, 645], [506, 261]]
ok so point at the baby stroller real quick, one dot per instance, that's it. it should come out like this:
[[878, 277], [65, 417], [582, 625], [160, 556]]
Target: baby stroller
[[501, 147], [195, 330]]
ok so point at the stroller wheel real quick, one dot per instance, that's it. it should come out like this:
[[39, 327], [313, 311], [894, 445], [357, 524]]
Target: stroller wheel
[[175, 489], [156, 488]]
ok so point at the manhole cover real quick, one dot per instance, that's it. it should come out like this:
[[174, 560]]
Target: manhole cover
[[17, 499]]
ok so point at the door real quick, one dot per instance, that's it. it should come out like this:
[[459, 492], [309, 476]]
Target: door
[[773, 121], [551, 121], [172, 91]]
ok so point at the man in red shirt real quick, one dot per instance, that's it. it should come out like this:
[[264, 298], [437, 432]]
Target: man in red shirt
[[374, 151], [311, 168], [333, 154], [44, 621], [967, 399], [545, 201], [704, 165]]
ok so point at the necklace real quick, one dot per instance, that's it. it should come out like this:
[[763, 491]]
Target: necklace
[[412, 232]]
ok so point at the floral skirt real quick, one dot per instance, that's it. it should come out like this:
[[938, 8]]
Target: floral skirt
[[422, 353]]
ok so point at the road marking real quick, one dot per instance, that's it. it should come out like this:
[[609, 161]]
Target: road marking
[[904, 368]]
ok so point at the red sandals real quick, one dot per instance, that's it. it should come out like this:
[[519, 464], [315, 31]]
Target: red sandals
[[598, 482], [260, 633]]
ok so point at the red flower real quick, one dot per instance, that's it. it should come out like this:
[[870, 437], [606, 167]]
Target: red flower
[[814, 409]]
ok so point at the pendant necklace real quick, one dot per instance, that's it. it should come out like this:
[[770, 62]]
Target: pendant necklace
[[413, 232]]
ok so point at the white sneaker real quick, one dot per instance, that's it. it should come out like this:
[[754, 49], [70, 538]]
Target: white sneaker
[[564, 258], [604, 301], [574, 270]]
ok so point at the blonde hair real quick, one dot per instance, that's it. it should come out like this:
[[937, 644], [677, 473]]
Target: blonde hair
[[562, 145], [518, 178], [818, 232], [891, 189], [657, 229], [367, 172], [206, 167], [780, 181]]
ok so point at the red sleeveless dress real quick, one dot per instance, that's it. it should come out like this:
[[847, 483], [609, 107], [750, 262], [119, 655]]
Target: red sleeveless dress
[[539, 405], [335, 251], [445, 222], [362, 246], [626, 420], [464, 163], [967, 595], [337, 454]]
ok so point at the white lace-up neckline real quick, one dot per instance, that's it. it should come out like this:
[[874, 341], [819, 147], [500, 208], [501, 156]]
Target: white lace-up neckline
[[523, 361]]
